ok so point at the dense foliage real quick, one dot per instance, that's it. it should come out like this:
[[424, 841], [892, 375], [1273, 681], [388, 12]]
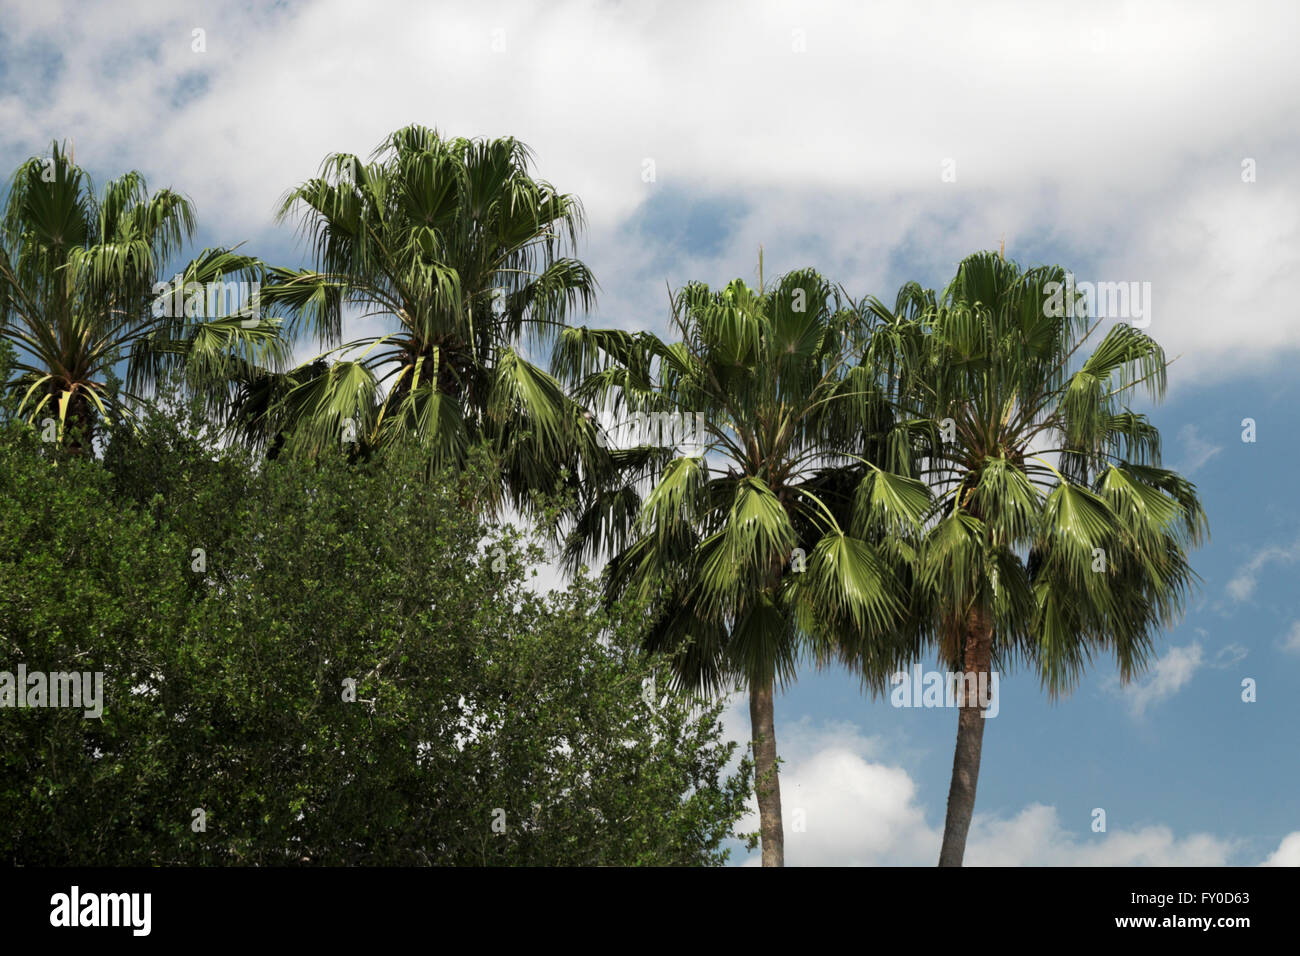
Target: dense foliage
[[490, 725]]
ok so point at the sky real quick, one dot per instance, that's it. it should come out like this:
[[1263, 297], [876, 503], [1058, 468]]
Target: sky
[[880, 143]]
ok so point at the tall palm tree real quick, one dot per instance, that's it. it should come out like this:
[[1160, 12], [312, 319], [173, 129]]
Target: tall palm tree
[[84, 286], [758, 533], [1054, 535], [460, 251]]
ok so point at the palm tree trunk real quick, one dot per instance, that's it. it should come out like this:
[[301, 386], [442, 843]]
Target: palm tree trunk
[[970, 739], [768, 784], [78, 426]]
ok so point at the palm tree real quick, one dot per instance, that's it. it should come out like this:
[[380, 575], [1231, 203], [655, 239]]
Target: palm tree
[[459, 250], [1054, 534], [80, 292], [759, 543]]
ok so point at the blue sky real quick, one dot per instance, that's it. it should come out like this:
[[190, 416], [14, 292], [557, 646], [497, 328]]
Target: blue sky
[[1185, 770], [1109, 139]]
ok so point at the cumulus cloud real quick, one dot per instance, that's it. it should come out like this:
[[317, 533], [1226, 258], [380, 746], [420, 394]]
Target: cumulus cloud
[[1036, 837], [823, 127], [1287, 852], [841, 807], [845, 803]]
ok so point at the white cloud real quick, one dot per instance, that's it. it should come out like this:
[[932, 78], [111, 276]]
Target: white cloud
[[856, 812], [1036, 837], [1243, 583], [858, 809], [1287, 852], [1214, 247], [1169, 675], [835, 151], [853, 811]]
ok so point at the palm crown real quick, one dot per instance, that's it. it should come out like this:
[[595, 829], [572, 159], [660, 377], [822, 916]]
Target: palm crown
[[79, 292], [786, 468], [1049, 503], [460, 249], [1050, 533]]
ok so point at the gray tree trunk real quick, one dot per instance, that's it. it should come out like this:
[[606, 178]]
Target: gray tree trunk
[[767, 784], [970, 741]]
